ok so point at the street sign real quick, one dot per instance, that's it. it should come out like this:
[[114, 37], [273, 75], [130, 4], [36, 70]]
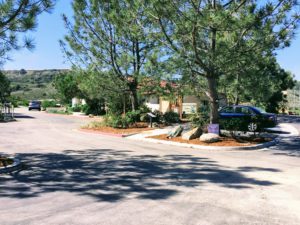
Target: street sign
[[213, 128], [151, 115]]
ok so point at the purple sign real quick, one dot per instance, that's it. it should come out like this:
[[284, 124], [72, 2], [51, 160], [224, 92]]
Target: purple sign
[[213, 128]]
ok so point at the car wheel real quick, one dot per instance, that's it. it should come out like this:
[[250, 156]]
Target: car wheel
[[252, 127]]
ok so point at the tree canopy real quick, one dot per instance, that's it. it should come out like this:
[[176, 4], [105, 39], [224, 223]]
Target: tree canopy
[[4, 88], [19, 16], [112, 39], [205, 44], [218, 38]]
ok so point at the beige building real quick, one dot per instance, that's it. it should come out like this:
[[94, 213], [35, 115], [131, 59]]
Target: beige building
[[185, 105]]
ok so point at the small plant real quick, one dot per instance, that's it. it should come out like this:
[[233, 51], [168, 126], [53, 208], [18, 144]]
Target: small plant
[[94, 125], [200, 118]]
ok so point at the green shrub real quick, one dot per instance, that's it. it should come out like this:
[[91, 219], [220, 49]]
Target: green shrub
[[133, 116], [23, 102], [234, 124], [144, 109], [199, 119], [47, 104], [115, 121], [241, 124], [1, 117], [144, 117], [121, 121], [76, 108], [171, 117], [58, 111], [85, 109], [94, 124], [13, 100]]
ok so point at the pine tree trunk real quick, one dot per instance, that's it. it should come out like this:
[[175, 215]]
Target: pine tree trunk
[[237, 91], [134, 100], [213, 99]]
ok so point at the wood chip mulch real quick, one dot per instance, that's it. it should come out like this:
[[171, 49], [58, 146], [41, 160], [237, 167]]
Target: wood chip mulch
[[223, 142], [131, 130]]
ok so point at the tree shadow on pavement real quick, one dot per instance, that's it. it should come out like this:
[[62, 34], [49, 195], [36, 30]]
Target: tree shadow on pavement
[[22, 116], [288, 119], [289, 146], [111, 175]]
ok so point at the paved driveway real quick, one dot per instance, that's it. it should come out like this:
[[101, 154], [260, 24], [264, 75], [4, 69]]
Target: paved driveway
[[80, 178]]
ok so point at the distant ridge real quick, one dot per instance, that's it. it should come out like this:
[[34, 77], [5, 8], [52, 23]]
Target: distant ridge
[[33, 84]]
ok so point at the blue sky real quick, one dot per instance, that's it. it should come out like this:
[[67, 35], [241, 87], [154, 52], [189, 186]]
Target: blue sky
[[48, 55]]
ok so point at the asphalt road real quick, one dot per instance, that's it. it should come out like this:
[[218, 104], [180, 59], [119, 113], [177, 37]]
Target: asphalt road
[[79, 178]]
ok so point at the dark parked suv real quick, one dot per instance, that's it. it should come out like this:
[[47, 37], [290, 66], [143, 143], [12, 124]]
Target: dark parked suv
[[34, 105], [255, 118]]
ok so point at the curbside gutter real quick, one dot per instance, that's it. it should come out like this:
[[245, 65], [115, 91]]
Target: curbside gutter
[[105, 133], [13, 167]]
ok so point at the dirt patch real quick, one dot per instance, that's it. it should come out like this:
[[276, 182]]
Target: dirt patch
[[5, 161], [137, 128], [224, 141]]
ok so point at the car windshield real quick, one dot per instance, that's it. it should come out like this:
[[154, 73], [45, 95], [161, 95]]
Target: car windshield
[[259, 109], [34, 102]]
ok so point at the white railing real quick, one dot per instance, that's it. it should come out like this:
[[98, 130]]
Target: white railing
[[7, 111]]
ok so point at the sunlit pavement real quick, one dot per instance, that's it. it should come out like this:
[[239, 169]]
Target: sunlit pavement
[[72, 177]]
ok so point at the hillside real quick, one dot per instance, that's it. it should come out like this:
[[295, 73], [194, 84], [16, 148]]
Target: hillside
[[32, 84]]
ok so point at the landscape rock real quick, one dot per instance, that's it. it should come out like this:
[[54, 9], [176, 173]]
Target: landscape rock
[[192, 134], [175, 132], [209, 138]]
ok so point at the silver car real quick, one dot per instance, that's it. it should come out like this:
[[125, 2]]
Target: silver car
[[34, 105]]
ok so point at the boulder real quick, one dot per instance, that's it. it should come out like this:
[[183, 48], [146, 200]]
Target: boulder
[[192, 134], [175, 132], [209, 138]]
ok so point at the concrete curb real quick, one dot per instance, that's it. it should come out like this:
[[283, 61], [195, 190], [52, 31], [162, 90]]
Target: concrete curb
[[205, 147], [284, 127], [15, 166], [72, 116]]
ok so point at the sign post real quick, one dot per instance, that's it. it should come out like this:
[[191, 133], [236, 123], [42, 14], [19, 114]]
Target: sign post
[[151, 117]]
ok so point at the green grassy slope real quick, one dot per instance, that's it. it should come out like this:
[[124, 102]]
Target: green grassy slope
[[34, 84]]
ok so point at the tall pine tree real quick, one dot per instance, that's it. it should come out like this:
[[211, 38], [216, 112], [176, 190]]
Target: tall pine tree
[[112, 36], [211, 36]]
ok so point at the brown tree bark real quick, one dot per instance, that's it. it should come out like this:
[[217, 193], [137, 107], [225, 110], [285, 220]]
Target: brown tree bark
[[133, 95], [213, 99]]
